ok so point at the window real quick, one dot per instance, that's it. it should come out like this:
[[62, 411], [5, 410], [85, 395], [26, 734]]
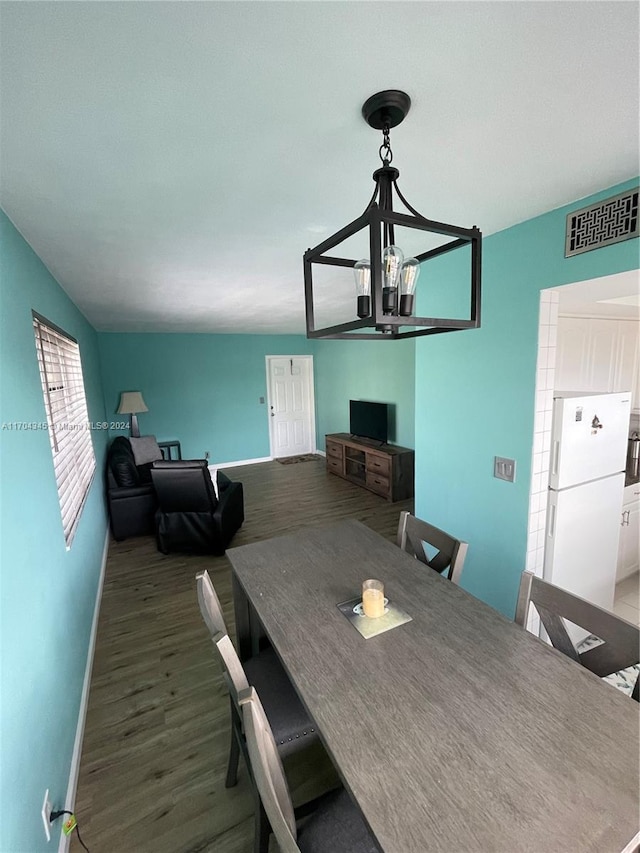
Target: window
[[67, 420]]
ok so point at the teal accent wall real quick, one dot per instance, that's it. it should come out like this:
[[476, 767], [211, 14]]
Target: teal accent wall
[[202, 389], [475, 394], [381, 371], [47, 592]]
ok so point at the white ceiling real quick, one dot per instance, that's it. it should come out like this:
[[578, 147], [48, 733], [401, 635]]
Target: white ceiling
[[170, 162], [609, 296]]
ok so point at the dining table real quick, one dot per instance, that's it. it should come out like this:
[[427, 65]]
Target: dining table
[[455, 731]]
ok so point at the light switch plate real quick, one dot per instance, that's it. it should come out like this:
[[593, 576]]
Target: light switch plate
[[504, 469]]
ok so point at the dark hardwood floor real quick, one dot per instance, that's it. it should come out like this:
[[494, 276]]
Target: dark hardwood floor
[[157, 731]]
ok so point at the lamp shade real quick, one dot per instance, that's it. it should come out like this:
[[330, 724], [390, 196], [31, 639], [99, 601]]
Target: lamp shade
[[131, 402]]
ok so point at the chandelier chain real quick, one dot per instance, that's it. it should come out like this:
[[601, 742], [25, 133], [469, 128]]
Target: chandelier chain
[[385, 153]]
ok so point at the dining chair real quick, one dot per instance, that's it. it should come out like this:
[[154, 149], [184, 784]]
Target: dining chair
[[292, 726], [414, 533], [335, 826], [619, 646]]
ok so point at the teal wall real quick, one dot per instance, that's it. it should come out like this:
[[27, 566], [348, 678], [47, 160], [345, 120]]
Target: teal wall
[[47, 593], [475, 396], [205, 389], [201, 389], [382, 371]]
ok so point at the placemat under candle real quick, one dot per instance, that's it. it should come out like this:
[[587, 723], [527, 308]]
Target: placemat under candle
[[393, 617]]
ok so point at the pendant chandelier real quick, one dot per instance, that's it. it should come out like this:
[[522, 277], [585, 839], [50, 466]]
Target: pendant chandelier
[[385, 280]]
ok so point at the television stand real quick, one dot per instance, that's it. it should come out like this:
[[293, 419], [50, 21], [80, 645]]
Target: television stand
[[386, 470], [373, 442]]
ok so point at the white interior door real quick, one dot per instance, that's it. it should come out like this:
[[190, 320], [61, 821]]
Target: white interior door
[[291, 405]]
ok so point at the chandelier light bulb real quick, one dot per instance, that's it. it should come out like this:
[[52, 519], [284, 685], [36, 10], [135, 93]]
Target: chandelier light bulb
[[409, 274], [392, 258], [362, 275]]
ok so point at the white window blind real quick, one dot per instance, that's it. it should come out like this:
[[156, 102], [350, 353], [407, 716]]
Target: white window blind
[[67, 420]]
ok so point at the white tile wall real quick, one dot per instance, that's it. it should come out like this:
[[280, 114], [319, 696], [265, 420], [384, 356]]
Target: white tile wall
[[545, 379]]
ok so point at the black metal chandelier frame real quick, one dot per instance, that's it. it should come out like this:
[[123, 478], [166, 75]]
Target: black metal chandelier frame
[[384, 111]]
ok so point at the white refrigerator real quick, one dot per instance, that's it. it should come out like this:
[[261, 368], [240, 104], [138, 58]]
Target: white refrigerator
[[586, 483]]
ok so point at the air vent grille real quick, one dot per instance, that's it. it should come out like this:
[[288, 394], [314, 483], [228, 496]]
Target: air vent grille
[[602, 224]]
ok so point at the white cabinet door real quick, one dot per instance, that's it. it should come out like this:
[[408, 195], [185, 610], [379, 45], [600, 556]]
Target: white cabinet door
[[572, 353], [627, 368], [598, 355], [603, 347], [629, 548]]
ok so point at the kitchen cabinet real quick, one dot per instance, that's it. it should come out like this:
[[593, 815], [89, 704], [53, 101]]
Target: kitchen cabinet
[[629, 546], [627, 371], [597, 354], [572, 349]]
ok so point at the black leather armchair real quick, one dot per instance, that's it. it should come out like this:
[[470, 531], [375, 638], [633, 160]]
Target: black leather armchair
[[190, 517], [130, 496]]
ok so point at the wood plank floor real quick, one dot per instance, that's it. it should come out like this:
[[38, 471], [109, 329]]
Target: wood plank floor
[[157, 731]]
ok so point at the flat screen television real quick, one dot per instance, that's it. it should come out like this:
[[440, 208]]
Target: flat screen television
[[369, 420]]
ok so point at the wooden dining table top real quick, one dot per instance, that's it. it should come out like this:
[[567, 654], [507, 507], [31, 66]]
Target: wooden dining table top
[[456, 731]]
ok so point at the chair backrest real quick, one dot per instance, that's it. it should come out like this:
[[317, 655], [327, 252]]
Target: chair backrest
[[620, 647], [210, 604], [212, 614], [235, 675], [451, 552], [268, 772], [184, 486]]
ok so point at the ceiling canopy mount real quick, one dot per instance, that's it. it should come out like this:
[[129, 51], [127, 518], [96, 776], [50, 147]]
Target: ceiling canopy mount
[[386, 109]]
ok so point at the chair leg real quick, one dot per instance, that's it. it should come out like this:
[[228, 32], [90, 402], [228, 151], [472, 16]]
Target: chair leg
[[234, 749], [262, 826], [232, 767]]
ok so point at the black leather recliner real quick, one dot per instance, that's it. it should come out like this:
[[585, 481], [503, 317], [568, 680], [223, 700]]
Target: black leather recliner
[[131, 498], [190, 518]]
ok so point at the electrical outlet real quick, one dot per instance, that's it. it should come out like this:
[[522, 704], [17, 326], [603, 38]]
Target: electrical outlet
[[504, 469], [46, 815]]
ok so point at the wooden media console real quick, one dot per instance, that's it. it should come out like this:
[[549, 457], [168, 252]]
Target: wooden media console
[[386, 470]]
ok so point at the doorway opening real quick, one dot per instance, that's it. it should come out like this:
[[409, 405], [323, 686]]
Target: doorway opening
[[609, 297]]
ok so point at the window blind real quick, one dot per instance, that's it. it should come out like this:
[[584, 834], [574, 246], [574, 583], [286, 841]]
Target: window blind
[[65, 403]]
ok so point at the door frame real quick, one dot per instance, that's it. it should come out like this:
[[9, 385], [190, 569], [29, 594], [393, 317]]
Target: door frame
[[549, 300], [310, 399]]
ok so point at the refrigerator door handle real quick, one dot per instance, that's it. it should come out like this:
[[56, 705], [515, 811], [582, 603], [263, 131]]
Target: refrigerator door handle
[[555, 457], [552, 521]]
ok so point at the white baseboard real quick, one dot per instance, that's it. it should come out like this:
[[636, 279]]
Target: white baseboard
[[74, 772], [217, 465]]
